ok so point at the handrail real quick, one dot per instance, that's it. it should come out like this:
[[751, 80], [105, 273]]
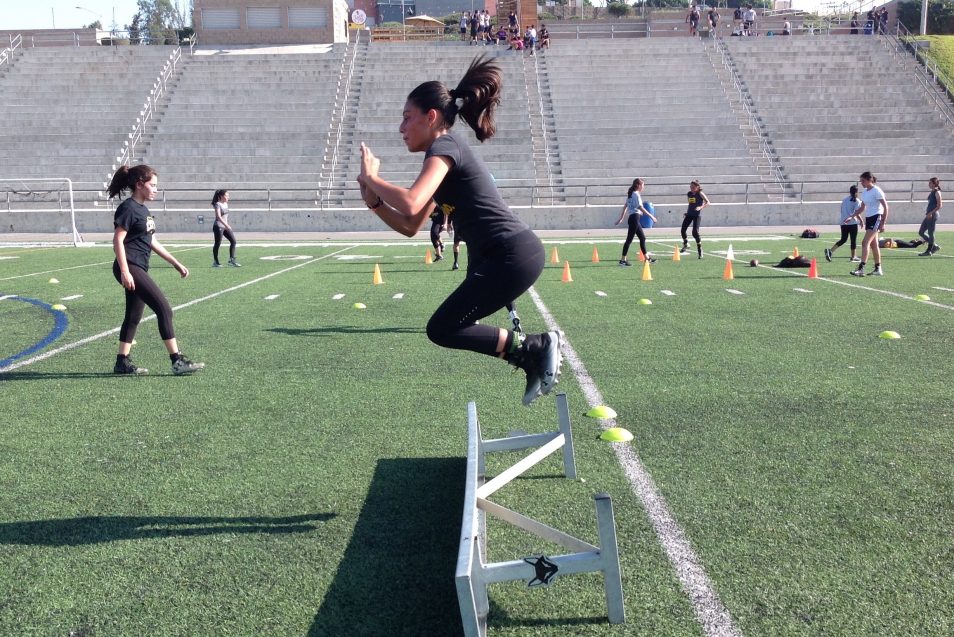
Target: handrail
[[343, 94], [754, 122], [543, 126], [6, 56], [894, 43], [148, 109]]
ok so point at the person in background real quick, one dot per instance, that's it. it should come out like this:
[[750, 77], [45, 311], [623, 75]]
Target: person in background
[[697, 201], [133, 243], [221, 227], [931, 215], [714, 18], [848, 224], [505, 257], [464, 21], [438, 225], [634, 204], [854, 23], [544, 37], [874, 207], [692, 19]]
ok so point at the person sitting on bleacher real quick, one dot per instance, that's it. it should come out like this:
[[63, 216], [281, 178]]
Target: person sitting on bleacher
[[544, 37]]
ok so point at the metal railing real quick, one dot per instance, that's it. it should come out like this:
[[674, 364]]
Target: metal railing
[[6, 56], [936, 84], [754, 123], [543, 123], [341, 106], [148, 109]]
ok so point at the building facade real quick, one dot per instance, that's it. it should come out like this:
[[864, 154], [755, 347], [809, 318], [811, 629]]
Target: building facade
[[245, 22]]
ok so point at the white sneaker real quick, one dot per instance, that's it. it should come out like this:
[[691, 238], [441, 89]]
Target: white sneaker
[[184, 366], [876, 272]]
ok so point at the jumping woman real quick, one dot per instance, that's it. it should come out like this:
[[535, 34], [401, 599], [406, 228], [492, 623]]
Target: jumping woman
[[221, 227], [874, 207], [133, 244], [505, 257], [634, 204], [697, 201]]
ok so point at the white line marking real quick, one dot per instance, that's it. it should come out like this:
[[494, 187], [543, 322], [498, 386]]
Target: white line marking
[[7, 296], [710, 611], [942, 289], [338, 297], [802, 290], [399, 295], [72, 298], [74, 267], [600, 293], [96, 337], [667, 292], [271, 297], [734, 291]]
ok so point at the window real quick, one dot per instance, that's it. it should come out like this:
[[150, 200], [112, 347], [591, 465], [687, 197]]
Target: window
[[264, 18], [307, 17], [220, 18]]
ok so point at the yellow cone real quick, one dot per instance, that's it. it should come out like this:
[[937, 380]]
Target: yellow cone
[[601, 411], [567, 277], [377, 275], [795, 252], [647, 275], [675, 254], [596, 255], [727, 273], [427, 257], [554, 256], [616, 434]]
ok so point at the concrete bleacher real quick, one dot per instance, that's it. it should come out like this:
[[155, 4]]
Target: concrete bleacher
[[65, 112], [253, 123], [645, 108], [836, 106], [392, 71]]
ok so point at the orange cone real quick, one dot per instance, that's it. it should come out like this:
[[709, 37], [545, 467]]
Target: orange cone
[[795, 253], [727, 273], [427, 257], [813, 269], [567, 277], [647, 275], [377, 275], [596, 255], [675, 254], [642, 257], [554, 256]]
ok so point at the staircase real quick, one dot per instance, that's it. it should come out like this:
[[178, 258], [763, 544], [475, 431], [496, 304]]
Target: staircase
[[756, 137], [342, 141], [548, 172]]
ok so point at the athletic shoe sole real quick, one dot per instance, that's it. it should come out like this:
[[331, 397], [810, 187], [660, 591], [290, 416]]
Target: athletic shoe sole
[[551, 361]]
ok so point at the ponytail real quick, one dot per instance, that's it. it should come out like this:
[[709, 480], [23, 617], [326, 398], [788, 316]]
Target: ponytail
[[636, 184], [853, 191], [126, 178], [475, 98], [217, 197]]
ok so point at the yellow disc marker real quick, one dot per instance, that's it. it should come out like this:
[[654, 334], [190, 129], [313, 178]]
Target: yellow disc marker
[[889, 335], [616, 434], [601, 411]]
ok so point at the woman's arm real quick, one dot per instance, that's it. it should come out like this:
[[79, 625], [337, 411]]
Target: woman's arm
[[884, 217], [622, 213], [705, 201], [404, 209], [119, 235], [166, 255]]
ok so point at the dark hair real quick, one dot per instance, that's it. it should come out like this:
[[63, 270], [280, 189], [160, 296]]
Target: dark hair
[[126, 178], [867, 175], [636, 184], [479, 92], [853, 191], [935, 182], [218, 196]]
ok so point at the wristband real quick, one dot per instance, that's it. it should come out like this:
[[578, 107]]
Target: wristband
[[377, 204]]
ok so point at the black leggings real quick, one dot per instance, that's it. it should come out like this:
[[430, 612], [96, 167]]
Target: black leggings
[[493, 281], [146, 293], [926, 231], [634, 230], [694, 221], [436, 234], [218, 233], [848, 230]]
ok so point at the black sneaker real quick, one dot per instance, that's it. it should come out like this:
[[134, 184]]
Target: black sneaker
[[234, 264], [684, 249], [926, 253], [125, 365], [539, 356], [456, 267], [936, 248], [625, 262], [651, 259], [438, 258], [183, 366], [549, 361], [828, 255], [859, 271]]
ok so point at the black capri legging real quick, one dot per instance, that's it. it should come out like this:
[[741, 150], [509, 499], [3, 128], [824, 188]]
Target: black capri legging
[[146, 293], [496, 279], [635, 230], [848, 230], [692, 220], [217, 234], [436, 233]]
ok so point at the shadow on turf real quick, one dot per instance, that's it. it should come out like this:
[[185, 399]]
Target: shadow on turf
[[7, 376], [397, 575], [317, 331], [105, 528]]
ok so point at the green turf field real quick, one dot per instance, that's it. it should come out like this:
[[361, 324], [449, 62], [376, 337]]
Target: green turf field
[[309, 481]]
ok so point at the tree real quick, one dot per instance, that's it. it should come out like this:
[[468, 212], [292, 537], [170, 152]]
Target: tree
[[617, 8], [94, 25], [940, 16], [158, 21]]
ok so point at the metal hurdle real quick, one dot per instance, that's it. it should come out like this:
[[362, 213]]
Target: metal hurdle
[[474, 573]]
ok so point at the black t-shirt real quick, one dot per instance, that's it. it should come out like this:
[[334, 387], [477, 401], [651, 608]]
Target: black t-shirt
[[695, 200], [140, 226], [470, 198]]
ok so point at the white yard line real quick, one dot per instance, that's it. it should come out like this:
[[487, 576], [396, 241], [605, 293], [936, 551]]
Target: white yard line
[[101, 335], [710, 611], [72, 267]]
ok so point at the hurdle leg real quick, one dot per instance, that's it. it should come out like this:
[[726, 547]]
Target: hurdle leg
[[563, 416], [609, 551]]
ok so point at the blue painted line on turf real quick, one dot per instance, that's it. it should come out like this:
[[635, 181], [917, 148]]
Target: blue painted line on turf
[[60, 323]]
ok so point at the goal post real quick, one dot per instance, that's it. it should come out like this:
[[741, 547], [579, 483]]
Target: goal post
[[39, 206]]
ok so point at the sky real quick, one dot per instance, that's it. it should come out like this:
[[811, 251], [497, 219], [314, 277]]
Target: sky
[[72, 14], [65, 14]]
